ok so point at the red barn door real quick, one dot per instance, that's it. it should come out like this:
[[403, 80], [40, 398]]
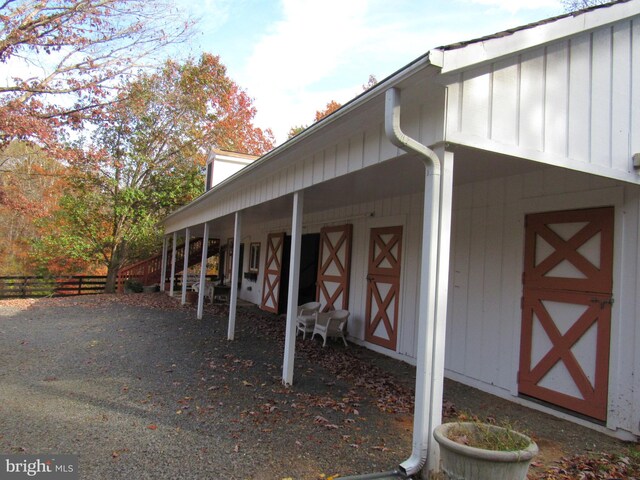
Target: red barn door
[[272, 272], [383, 286], [566, 315]]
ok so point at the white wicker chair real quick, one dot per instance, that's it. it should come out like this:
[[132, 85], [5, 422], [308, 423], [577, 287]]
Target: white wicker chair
[[307, 318], [208, 289], [331, 324]]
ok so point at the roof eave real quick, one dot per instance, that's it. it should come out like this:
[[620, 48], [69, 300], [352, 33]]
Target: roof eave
[[431, 58], [488, 49]]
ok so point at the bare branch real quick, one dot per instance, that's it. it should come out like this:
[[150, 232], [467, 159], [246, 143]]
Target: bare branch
[[83, 48]]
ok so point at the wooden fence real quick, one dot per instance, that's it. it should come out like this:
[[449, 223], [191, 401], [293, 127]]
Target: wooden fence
[[26, 286]]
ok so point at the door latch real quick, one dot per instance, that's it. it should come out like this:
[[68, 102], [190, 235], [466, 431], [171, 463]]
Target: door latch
[[602, 303]]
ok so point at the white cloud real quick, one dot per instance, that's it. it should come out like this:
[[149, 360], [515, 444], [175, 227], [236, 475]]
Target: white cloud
[[16, 67], [309, 43], [323, 51], [515, 6], [299, 54], [313, 52], [210, 13]]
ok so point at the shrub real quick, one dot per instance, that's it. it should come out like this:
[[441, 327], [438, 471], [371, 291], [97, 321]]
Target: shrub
[[133, 285]]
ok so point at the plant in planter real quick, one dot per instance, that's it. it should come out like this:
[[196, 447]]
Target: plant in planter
[[131, 285], [476, 450]]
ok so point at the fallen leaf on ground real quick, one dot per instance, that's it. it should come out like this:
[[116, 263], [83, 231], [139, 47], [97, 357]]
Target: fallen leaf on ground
[[320, 419]]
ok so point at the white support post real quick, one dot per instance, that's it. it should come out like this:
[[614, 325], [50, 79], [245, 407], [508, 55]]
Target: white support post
[[235, 274], [294, 285], [203, 270], [437, 336], [173, 263], [163, 267], [185, 265]]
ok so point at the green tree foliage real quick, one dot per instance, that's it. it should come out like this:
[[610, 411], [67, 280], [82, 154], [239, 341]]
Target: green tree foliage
[[145, 159], [293, 131]]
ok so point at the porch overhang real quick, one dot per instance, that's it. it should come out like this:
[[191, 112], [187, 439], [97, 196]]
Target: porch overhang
[[363, 114]]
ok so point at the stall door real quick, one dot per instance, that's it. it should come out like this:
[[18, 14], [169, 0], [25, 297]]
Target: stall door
[[383, 286], [566, 315], [334, 267], [272, 272]]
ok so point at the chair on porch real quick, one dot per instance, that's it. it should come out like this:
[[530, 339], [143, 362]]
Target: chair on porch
[[307, 318], [331, 324], [208, 289], [192, 279]]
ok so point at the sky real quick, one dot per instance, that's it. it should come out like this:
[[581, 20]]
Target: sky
[[294, 56]]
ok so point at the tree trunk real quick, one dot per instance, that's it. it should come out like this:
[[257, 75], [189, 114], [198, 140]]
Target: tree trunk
[[112, 277], [115, 262]]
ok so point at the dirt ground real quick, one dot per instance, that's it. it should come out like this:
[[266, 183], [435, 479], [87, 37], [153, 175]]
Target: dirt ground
[[138, 388]]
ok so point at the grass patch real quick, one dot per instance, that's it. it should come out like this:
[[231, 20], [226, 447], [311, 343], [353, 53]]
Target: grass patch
[[488, 437]]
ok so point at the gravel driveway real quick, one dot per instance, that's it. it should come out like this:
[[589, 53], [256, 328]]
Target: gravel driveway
[[145, 392], [140, 389]]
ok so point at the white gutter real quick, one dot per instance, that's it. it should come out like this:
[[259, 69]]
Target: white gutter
[[424, 414], [429, 58]]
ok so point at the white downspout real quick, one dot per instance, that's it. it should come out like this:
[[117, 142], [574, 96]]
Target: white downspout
[[427, 379]]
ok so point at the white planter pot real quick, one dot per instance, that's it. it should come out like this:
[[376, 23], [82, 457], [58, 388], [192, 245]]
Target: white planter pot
[[462, 462]]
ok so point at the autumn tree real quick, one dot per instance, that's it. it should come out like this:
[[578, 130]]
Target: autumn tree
[[64, 56], [30, 186], [331, 107], [146, 155], [293, 131]]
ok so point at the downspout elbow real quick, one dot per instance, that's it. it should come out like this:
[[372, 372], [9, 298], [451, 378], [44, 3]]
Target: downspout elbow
[[401, 140]]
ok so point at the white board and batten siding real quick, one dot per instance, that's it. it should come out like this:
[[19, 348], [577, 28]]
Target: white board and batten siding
[[573, 103], [484, 316], [405, 210], [331, 162]]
